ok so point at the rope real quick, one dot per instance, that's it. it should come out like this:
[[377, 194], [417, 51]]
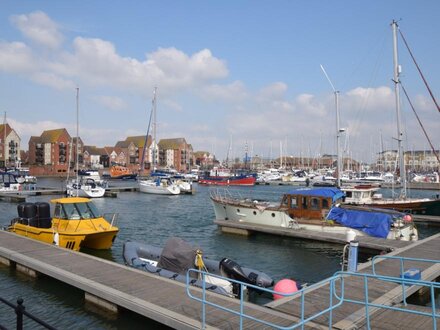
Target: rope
[[421, 125], [420, 71]]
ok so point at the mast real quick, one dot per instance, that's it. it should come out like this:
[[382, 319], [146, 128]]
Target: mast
[[154, 129], [396, 80], [338, 132], [4, 140], [77, 137]]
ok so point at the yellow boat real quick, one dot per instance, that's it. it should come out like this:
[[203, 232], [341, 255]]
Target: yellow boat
[[76, 223]]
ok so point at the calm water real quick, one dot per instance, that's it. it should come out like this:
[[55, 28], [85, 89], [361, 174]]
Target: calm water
[[153, 219]]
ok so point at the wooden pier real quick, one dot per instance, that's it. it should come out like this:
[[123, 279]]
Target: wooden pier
[[365, 242], [352, 316], [114, 286]]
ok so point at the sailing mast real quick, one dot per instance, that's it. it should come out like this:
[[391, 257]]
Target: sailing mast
[[339, 166], [4, 141], [77, 137], [396, 80], [154, 130]]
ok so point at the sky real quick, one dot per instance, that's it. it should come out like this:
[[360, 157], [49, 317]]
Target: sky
[[231, 76]]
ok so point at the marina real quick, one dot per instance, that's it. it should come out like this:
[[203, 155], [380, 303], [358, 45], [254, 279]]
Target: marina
[[306, 261], [167, 302], [273, 197]]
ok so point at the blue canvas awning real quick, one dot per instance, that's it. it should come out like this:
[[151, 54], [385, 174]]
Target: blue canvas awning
[[332, 192], [373, 223]]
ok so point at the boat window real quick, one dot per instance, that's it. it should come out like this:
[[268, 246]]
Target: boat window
[[71, 211], [357, 194], [285, 200], [325, 204], [348, 194], [293, 202], [314, 203], [85, 211], [304, 203], [59, 212], [93, 210]]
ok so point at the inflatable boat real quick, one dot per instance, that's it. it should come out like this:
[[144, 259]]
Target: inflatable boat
[[178, 256]]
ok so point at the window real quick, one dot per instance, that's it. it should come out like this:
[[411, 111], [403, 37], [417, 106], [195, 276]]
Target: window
[[325, 204], [304, 203], [59, 212], [293, 202], [314, 203]]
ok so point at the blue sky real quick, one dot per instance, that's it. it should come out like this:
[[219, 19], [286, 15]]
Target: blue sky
[[241, 71]]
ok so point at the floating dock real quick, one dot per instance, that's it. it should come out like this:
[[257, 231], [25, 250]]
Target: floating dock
[[365, 242], [113, 286]]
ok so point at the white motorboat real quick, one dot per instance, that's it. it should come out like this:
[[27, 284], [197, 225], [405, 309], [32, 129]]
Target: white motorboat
[[159, 186], [85, 188], [8, 183], [317, 210]]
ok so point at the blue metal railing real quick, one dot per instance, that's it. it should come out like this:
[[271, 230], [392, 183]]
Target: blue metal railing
[[243, 286], [335, 299]]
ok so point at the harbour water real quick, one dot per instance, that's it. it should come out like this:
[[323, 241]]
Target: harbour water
[[153, 219]]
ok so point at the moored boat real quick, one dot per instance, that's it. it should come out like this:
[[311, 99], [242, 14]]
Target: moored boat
[[367, 195], [238, 180], [159, 186], [120, 172], [312, 209], [76, 223], [177, 256], [85, 187]]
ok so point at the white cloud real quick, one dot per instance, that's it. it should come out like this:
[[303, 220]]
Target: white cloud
[[111, 102], [38, 27], [16, 57], [52, 80], [233, 92]]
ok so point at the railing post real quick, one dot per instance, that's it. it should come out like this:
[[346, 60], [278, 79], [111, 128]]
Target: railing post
[[19, 311]]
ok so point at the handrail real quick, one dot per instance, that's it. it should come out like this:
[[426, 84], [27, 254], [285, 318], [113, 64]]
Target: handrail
[[402, 268], [243, 286], [19, 310], [335, 299]]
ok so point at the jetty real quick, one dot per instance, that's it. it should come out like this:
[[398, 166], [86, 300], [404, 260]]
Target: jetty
[[365, 242], [113, 286]]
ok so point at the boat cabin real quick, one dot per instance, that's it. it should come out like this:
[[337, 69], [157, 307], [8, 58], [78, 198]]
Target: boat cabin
[[311, 203], [361, 194], [75, 208]]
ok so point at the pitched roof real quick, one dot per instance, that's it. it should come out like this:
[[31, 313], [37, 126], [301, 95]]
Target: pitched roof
[[52, 136], [139, 141], [8, 130], [93, 150], [168, 144]]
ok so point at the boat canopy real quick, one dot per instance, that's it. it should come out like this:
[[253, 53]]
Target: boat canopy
[[334, 193], [70, 200], [374, 223]]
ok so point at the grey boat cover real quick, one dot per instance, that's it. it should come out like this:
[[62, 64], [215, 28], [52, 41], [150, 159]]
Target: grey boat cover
[[177, 256]]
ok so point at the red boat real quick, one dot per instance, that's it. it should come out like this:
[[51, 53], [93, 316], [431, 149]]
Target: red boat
[[239, 180]]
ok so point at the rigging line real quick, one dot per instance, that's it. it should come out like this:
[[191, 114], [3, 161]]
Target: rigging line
[[146, 139], [421, 125], [420, 71]]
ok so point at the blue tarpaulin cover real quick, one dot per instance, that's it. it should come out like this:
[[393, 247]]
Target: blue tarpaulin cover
[[373, 223], [334, 193]]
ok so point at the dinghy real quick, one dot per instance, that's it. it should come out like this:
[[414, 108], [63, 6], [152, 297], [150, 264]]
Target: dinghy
[[178, 256]]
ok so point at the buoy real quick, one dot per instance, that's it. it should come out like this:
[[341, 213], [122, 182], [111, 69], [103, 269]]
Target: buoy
[[284, 286], [407, 218]]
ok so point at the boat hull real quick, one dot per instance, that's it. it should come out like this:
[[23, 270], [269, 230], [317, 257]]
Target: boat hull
[[263, 214], [248, 180], [413, 206], [151, 188]]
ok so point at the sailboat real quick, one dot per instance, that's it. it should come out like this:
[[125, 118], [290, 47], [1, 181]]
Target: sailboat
[[82, 187], [366, 195], [158, 185]]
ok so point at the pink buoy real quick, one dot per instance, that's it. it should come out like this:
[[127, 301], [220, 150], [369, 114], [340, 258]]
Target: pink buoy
[[284, 286], [407, 218]]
